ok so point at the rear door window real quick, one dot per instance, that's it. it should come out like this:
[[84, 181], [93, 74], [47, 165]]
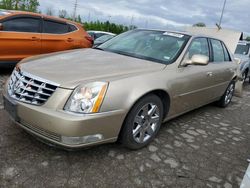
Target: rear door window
[[218, 51], [22, 24], [53, 27]]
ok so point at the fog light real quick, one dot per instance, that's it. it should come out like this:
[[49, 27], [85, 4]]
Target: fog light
[[82, 140]]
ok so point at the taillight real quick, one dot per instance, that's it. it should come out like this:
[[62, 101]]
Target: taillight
[[90, 39]]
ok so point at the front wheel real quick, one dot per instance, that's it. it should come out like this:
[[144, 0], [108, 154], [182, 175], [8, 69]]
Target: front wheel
[[227, 96], [142, 123], [244, 75]]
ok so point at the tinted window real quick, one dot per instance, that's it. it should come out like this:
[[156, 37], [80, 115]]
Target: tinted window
[[55, 27], [218, 51], [22, 25], [198, 46], [226, 53]]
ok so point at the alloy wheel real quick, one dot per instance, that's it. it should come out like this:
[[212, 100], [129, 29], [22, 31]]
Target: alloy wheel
[[146, 122], [229, 93]]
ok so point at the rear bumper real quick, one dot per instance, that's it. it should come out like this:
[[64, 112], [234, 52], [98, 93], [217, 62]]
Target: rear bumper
[[65, 129]]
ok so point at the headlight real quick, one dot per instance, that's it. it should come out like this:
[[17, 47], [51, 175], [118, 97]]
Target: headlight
[[87, 98], [237, 60]]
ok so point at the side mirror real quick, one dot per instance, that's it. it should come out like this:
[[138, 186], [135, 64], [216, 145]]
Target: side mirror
[[197, 59], [1, 27]]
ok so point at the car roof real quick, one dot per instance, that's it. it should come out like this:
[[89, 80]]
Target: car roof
[[6, 13]]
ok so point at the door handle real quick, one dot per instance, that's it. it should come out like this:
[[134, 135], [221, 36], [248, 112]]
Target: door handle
[[231, 70], [70, 40], [209, 74], [35, 38]]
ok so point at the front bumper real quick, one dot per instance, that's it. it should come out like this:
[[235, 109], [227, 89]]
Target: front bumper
[[64, 129]]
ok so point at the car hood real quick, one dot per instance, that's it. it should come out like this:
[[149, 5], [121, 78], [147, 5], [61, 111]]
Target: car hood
[[71, 68]]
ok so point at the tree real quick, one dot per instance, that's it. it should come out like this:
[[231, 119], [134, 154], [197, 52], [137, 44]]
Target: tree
[[199, 24], [30, 5], [106, 26], [26, 5], [248, 38], [49, 11], [63, 14], [7, 4], [79, 19]]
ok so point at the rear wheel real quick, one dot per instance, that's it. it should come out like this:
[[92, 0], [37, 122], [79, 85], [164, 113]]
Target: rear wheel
[[142, 123], [227, 96]]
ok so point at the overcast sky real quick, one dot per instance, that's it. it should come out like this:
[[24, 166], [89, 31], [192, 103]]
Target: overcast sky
[[168, 14]]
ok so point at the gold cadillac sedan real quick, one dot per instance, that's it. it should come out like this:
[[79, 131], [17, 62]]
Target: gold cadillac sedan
[[121, 90]]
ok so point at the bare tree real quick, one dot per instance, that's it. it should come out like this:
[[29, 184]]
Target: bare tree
[[49, 11], [63, 14]]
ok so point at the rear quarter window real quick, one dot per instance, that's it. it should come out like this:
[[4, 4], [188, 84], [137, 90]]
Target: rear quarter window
[[72, 28]]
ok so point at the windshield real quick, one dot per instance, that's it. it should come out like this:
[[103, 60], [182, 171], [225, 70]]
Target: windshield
[[159, 46], [242, 49]]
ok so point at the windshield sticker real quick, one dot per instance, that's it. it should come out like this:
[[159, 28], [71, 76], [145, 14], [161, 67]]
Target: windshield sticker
[[173, 34]]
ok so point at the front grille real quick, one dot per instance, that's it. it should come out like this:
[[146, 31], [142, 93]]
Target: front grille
[[30, 89]]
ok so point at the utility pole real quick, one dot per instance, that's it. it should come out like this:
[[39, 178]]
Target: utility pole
[[75, 9], [222, 13]]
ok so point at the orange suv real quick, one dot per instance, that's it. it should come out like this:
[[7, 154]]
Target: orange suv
[[24, 34]]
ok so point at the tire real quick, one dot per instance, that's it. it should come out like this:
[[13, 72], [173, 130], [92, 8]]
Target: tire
[[142, 123], [248, 79], [227, 96], [244, 75]]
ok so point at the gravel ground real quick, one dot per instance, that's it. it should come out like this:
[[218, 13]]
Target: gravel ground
[[207, 147]]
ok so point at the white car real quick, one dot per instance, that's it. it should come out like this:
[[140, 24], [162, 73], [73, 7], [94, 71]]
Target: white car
[[242, 52], [97, 34]]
